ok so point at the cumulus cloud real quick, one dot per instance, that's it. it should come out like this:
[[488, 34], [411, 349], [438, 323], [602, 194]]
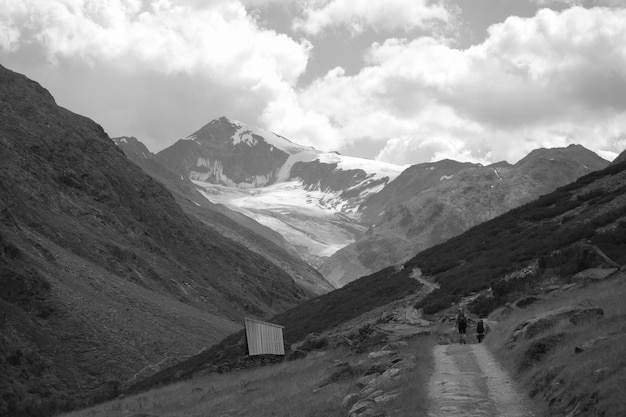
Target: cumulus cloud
[[585, 3], [159, 70], [219, 38], [378, 15], [215, 44], [551, 80]]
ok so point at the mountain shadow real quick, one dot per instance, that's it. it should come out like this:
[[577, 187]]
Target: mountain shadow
[[102, 273]]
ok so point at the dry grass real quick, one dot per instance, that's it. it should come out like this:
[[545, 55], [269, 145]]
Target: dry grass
[[285, 389], [413, 399], [289, 389], [551, 371]]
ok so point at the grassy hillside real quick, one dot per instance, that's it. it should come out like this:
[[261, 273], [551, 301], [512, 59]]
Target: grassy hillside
[[557, 234], [312, 387], [102, 274], [573, 368], [313, 316]]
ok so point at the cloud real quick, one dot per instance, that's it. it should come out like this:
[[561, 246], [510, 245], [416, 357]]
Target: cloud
[[216, 45], [159, 70], [219, 38], [379, 15], [551, 80], [585, 3]]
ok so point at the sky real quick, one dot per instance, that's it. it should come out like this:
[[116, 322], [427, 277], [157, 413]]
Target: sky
[[399, 81]]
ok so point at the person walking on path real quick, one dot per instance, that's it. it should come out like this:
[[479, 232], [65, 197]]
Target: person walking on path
[[461, 324], [480, 329]]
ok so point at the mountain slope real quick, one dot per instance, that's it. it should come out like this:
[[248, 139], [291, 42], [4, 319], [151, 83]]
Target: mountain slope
[[581, 225], [102, 273], [310, 197], [508, 248], [620, 158], [430, 203], [240, 228]]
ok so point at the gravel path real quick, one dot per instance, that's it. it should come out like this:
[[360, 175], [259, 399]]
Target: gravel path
[[469, 382]]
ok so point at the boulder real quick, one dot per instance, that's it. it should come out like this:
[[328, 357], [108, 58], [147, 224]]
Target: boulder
[[378, 368], [295, 355], [590, 343], [368, 390], [359, 408], [366, 380], [390, 373], [397, 345], [405, 364], [380, 382], [375, 394], [594, 274], [386, 397], [540, 324], [349, 400], [380, 354], [526, 301], [586, 315]]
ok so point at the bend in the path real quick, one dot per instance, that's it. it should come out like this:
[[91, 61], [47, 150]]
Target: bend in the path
[[469, 382], [429, 286]]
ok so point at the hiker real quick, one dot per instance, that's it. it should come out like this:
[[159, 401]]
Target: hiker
[[461, 323], [480, 329]]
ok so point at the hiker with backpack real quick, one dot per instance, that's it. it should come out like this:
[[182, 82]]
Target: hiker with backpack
[[480, 329], [461, 323]]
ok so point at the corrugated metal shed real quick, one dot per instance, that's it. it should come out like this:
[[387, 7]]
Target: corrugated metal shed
[[264, 338]]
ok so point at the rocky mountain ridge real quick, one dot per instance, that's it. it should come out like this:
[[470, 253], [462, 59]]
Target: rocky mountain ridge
[[310, 197], [430, 203], [350, 217], [240, 228]]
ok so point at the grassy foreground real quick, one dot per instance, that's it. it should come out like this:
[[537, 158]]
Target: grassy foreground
[[579, 369], [301, 388]]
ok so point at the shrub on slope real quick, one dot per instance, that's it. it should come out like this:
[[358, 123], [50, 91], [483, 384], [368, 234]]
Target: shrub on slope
[[591, 210]]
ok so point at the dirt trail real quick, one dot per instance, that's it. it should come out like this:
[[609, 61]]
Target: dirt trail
[[429, 286], [469, 382]]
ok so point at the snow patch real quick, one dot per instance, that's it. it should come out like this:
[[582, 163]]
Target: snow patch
[[445, 177], [497, 173], [247, 134], [378, 169], [307, 155]]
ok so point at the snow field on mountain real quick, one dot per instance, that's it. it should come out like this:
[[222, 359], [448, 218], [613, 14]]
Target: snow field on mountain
[[289, 196], [376, 168], [306, 219], [245, 134]]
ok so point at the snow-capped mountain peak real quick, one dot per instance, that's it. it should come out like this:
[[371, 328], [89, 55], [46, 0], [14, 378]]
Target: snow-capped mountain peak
[[280, 183]]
